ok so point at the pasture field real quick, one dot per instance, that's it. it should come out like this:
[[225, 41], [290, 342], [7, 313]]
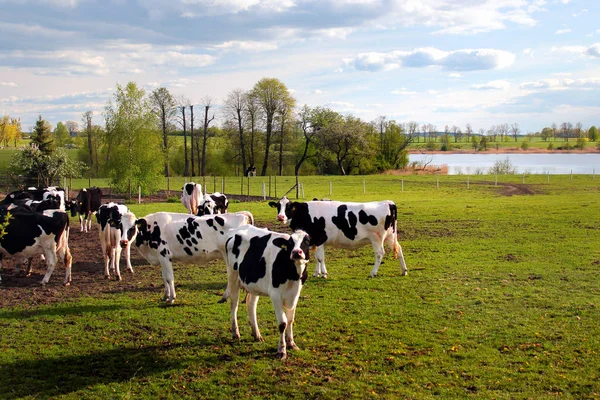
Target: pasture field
[[502, 300]]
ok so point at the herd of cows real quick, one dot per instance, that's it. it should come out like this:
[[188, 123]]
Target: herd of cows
[[261, 261]]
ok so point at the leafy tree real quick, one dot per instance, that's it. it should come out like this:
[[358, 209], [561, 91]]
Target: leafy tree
[[593, 134], [346, 140], [270, 94], [165, 107], [42, 136], [395, 141], [61, 134], [546, 133], [137, 157], [33, 162], [502, 167], [10, 129]]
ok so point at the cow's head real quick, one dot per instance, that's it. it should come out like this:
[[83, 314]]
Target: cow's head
[[207, 207], [284, 209], [128, 229], [300, 241], [73, 206]]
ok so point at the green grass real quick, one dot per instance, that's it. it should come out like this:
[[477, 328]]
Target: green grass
[[502, 301]]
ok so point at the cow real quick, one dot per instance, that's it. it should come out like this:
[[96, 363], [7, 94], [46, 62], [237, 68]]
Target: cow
[[31, 233], [251, 171], [51, 203], [85, 204], [345, 225], [215, 203], [191, 196], [38, 194], [264, 262], [164, 238], [117, 233]]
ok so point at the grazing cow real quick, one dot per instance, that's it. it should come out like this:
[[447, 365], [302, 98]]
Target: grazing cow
[[164, 238], [85, 204], [51, 203], [191, 196], [117, 232], [344, 225], [215, 203], [33, 193], [264, 262], [251, 171], [30, 233]]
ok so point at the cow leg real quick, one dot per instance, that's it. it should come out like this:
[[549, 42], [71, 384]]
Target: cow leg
[[234, 296], [29, 267], [379, 253], [88, 219], [392, 241], [117, 262], [320, 257], [289, 338], [80, 223], [0, 268], [51, 262], [251, 302], [128, 257], [282, 323], [65, 256], [169, 280]]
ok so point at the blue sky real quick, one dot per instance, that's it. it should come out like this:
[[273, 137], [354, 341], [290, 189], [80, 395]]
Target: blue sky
[[454, 62]]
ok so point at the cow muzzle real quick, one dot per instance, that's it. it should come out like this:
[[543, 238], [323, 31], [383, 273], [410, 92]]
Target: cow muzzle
[[281, 218], [124, 243], [298, 255]]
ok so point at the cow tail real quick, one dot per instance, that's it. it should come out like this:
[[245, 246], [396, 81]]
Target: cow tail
[[250, 217], [394, 227]]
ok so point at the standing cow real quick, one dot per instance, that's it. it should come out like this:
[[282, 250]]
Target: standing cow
[[85, 204], [345, 225], [164, 238], [214, 203], [31, 233], [117, 233], [191, 196], [38, 194], [264, 262]]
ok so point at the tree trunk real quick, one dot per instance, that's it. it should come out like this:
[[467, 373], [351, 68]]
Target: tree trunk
[[242, 144], [192, 136], [267, 144], [89, 139], [165, 139], [186, 168], [204, 137]]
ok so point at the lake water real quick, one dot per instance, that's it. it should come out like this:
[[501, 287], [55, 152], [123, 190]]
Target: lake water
[[528, 163]]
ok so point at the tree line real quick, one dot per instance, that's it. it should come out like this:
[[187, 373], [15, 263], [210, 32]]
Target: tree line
[[142, 136]]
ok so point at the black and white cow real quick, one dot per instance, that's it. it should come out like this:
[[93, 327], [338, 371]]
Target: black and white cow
[[191, 196], [164, 238], [32, 233], [85, 204], [117, 233], [38, 194], [271, 264], [51, 203], [215, 203], [345, 225]]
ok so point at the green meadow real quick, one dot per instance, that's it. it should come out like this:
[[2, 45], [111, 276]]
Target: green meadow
[[502, 301]]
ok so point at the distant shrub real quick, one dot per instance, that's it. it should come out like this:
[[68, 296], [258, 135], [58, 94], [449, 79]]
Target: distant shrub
[[550, 146], [444, 147], [525, 145], [173, 199], [580, 143], [430, 146], [502, 167]]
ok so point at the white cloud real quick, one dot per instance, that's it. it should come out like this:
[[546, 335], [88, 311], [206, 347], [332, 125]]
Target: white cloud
[[455, 75], [558, 84], [590, 51], [8, 84], [403, 91], [562, 31], [458, 60], [492, 85], [580, 13], [246, 46]]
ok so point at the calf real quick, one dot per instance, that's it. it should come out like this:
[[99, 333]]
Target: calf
[[30, 233], [344, 225], [164, 238], [215, 203], [85, 204], [266, 263], [191, 196], [117, 232]]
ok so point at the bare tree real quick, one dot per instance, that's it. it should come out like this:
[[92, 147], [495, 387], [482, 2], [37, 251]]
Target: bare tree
[[207, 105], [564, 128], [252, 111], [515, 130], [380, 123], [468, 131], [578, 130], [412, 129], [183, 103], [165, 108], [554, 128], [235, 107], [87, 119]]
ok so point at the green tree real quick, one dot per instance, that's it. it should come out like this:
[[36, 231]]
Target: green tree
[[42, 136], [61, 134], [270, 94], [33, 162], [394, 141], [593, 134], [136, 157]]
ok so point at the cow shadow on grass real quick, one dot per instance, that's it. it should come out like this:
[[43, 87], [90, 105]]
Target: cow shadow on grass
[[52, 377], [58, 311], [203, 286]]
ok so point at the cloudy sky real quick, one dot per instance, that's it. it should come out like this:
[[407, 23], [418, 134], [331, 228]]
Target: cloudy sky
[[481, 62]]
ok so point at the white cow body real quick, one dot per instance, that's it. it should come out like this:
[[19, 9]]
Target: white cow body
[[164, 238], [117, 233], [191, 197], [266, 263], [346, 225]]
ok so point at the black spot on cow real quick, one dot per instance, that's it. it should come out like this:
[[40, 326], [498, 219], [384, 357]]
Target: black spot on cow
[[195, 249], [237, 241], [188, 242], [164, 252], [284, 269], [235, 266], [365, 218], [390, 219], [188, 251], [193, 239], [198, 234], [346, 224], [210, 222], [146, 236], [254, 266], [163, 242], [220, 221], [282, 327], [189, 188], [301, 219], [179, 239]]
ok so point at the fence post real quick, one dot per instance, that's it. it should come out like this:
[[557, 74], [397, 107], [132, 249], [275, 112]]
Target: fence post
[[467, 182], [571, 174], [264, 191], [242, 186], [275, 185], [548, 176], [437, 182], [302, 190], [248, 195], [330, 188], [523, 177], [496, 181], [223, 185], [297, 188], [269, 185], [139, 194], [364, 187], [89, 182], [403, 185]]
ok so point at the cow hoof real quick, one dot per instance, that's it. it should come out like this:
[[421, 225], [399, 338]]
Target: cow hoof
[[282, 356], [316, 275], [324, 276], [222, 300], [259, 338], [68, 283], [43, 283], [293, 346], [106, 276], [118, 278], [235, 336]]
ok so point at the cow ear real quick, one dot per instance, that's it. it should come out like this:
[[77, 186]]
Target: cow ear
[[272, 204]]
